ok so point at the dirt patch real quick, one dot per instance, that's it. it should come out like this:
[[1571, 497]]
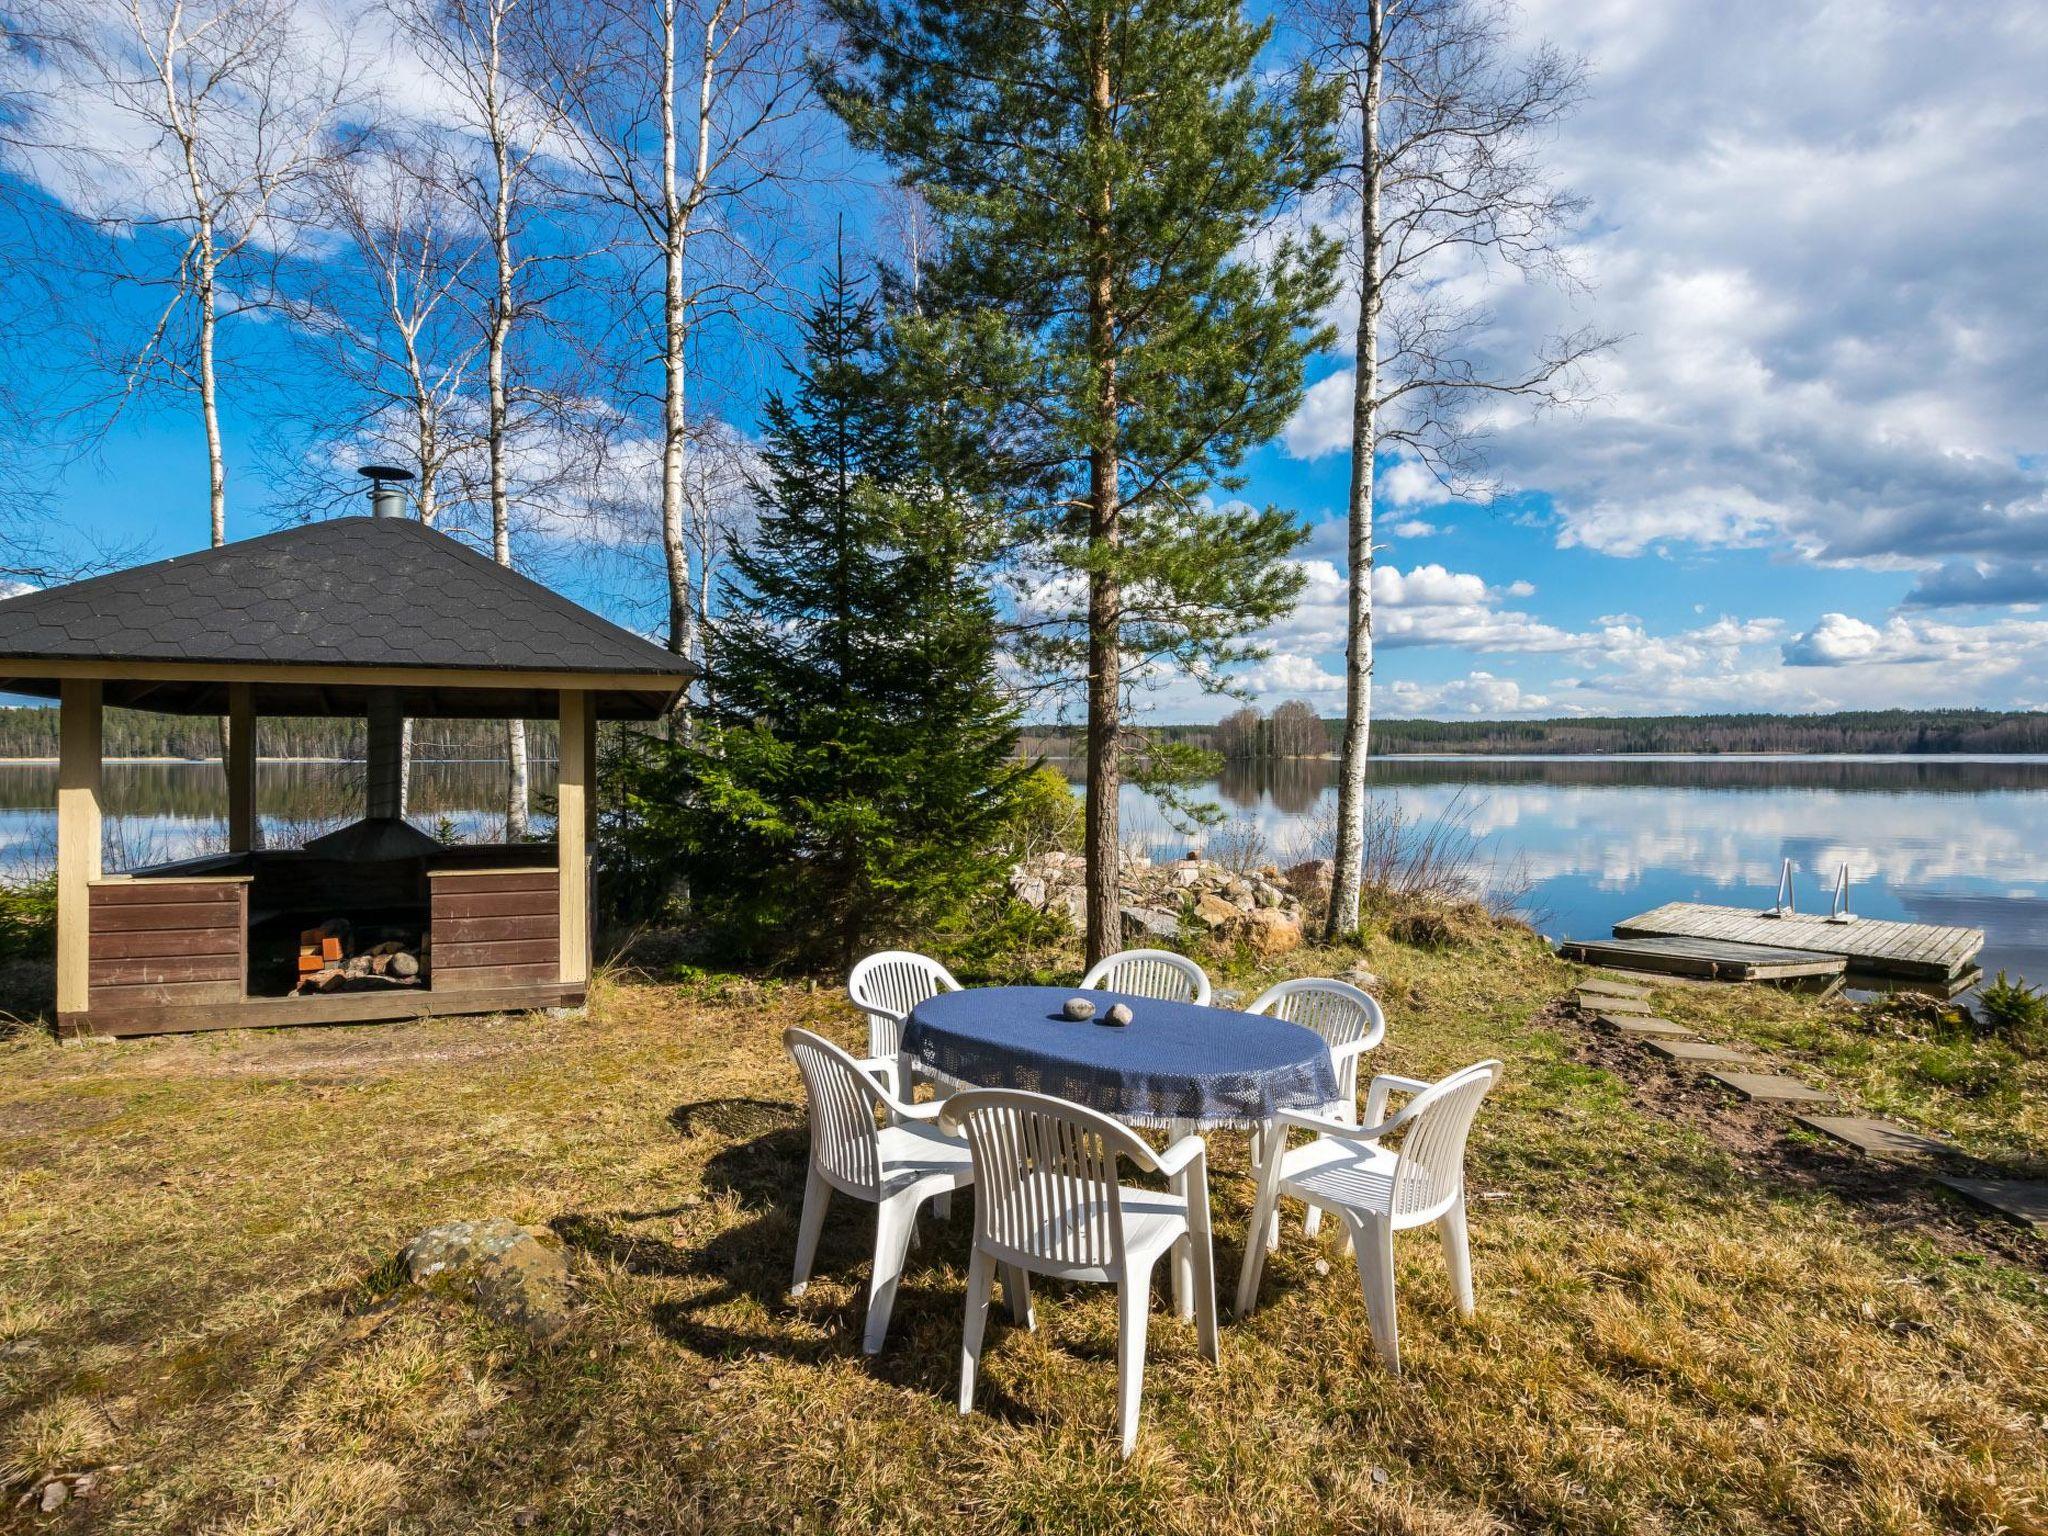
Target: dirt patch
[[337, 1053], [1765, 1142]]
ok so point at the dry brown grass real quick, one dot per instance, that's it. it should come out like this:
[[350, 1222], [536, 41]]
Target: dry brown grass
[[195, 1245]]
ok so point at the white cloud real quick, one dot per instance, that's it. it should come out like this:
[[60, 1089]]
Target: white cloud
[[1819, 230], [1838, 640], [1290, 675], [1407, 483], [1427, 604], [1481, 694], [1431, 605], [1414, 528], [1322, 422]]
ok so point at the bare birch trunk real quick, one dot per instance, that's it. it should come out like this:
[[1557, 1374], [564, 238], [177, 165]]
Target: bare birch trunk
[[1358, 658], [209, 398], [1100, 831], [518, 785], [675, 322], [404, 766]]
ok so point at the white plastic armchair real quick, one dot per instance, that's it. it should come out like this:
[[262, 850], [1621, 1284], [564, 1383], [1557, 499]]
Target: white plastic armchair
[[886, 987], [1377, 1191], [1048, 1202], [1156, 973], [897, 1165], [1350, 1023]]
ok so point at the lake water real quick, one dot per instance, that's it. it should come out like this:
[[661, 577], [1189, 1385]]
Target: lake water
[[1583, 841], [1586, 842], [155, 812]]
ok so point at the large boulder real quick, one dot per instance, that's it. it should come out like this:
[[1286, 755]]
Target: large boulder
[[1312, 875], [508, 1270], [1271, 932], [1152, 896], [1075, 901], [1147, 925]]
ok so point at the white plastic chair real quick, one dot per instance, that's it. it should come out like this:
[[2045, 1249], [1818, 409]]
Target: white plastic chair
[[1048, 1202], [1156, 973], [1350, 1023], [898, 1165], [1376, 1191], [886, 987]]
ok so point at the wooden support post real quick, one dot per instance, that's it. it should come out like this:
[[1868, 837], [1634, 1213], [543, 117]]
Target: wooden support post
[[78, 839], [574, 806], [241, 767]]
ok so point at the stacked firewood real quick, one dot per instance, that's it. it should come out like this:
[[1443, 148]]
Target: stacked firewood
[[329, 960]]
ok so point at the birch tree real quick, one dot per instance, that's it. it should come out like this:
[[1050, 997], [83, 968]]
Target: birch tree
[[182, 129], [1440, 172], [490, 56], [394, 335], [690, 119], [721, 513]]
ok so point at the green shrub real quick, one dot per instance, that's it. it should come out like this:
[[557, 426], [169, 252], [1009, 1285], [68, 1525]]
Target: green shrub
[[1047, 815], [2013, 1011], [28, 918]]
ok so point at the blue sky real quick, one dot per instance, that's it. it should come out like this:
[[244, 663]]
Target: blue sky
[[1813, 474]]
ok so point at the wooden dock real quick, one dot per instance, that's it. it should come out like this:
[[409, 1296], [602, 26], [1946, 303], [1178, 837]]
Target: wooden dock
[[1872, 947], [1709, 960]]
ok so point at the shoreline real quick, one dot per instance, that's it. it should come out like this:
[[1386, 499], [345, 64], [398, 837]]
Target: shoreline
[[1330, 759], [214, 762]]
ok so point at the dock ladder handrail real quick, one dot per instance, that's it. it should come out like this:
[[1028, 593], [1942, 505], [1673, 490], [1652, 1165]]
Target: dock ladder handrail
[[1838, 911], [1786, 902]]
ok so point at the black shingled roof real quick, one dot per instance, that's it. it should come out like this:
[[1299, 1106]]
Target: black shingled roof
[[349, 592]]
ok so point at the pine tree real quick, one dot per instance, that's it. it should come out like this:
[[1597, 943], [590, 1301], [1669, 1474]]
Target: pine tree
[[1099, 170], [854, 772]]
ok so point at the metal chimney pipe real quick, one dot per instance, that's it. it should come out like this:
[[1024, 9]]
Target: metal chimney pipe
[[387, 489], [384, 765]]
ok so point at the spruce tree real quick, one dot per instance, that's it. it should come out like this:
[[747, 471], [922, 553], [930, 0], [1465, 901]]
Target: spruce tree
[[854, 772], [1113, 310]]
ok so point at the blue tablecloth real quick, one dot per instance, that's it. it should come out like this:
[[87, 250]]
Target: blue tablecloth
[[1172, 1062]]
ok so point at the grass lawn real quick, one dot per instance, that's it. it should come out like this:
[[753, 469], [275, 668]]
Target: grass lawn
[[1688, 1321]]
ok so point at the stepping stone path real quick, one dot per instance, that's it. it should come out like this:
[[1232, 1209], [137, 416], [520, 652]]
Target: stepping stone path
[[1694, 1051], [1605, 988], [1604, 1004], [1771, 1088], [1646, 1029], [1625, 1008], [1875, 1138], [2021, 1200]]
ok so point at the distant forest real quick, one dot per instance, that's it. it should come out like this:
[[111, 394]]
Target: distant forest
[[1864, 731], [1290, 731], [32, 732]]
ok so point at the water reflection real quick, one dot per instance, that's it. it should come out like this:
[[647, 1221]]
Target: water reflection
[[161, 811], [1939, 840], [1290, 785]]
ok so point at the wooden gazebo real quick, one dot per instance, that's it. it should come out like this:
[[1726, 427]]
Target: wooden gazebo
[[373, 616]]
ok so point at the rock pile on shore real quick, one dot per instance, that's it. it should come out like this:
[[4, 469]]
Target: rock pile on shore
[[1260, 907]]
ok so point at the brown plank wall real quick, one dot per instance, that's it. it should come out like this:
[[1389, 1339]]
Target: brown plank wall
[[488, 931], [164, 942]]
